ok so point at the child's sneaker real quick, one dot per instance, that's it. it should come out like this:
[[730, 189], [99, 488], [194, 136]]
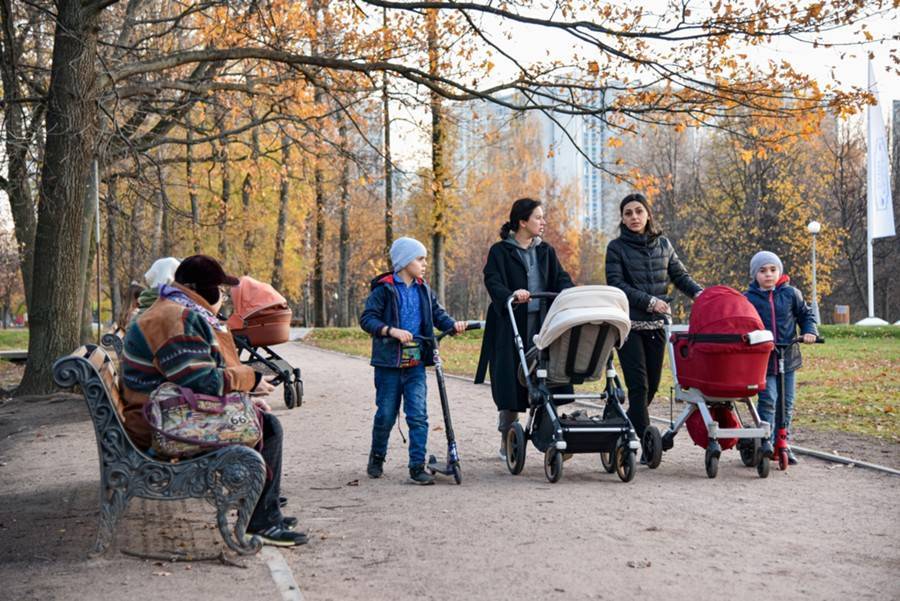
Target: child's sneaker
[[375, 468], [418, 475], [502, 447]]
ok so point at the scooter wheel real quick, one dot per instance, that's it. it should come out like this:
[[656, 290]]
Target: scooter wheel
[[750, 452], [515, 449], [762, 468], [608, 460], [783, 460], [553, 464], [626, 461], [652, 447], [457, 473], [712, 464]]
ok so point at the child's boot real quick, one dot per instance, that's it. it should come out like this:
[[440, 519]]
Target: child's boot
[[418, 475], [375, 469]]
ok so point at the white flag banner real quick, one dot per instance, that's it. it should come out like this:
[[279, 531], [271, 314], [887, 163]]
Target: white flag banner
[[878, 183]]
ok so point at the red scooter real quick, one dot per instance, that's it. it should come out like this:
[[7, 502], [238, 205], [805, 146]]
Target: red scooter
[[781, 436]]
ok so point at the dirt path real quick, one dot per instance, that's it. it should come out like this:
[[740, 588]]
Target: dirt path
[[817, 532]]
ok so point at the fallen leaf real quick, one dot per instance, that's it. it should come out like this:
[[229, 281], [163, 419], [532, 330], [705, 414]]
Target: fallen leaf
[[353, 483]]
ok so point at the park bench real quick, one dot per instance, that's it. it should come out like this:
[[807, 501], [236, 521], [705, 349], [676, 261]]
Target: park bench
[[230, 478]]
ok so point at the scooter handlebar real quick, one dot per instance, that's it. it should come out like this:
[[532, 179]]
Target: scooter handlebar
[[799, 339], [470, 325]]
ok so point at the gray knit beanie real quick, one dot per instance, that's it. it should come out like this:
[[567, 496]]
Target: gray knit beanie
[[404, 250], [764, 257]]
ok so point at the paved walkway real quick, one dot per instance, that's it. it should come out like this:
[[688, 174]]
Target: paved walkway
[[816, 532]]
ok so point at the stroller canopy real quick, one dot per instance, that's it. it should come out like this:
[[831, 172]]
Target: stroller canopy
[[583, 305], [249, 298]]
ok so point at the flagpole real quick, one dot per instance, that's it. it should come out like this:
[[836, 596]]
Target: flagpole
[[870, 186]]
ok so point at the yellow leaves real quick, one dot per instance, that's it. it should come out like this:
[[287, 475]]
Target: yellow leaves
[[615, 142], [746, 156]]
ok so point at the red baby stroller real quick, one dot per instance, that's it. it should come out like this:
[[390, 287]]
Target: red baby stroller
[[262, 318], [721, 362]]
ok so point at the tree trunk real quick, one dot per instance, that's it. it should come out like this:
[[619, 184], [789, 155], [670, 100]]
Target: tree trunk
[[70, 144], [223, 212], [134, 272], [192, 190], [112, 250], [246, 190], [88, 252], [18, 189], [344, 253], [88, 336], [284, 193], [388, 165], [319, 261], [438, 185]]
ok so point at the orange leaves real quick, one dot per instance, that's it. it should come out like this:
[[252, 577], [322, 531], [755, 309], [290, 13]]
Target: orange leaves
[[593, 68], [614, 142]]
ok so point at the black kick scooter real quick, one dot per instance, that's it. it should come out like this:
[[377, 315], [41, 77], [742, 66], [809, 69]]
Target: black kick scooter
[[451, 466]]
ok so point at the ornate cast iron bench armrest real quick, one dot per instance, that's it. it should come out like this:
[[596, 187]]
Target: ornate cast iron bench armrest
[[230, 478]]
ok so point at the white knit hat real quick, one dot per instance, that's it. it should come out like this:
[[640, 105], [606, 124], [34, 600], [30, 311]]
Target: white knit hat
[[161, 272], [405, 250]]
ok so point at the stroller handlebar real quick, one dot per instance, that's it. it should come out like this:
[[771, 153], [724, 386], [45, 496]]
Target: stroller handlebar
[[534, 295]]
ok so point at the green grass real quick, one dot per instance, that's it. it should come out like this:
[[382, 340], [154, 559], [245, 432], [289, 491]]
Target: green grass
[[13, 339], [849, 384]]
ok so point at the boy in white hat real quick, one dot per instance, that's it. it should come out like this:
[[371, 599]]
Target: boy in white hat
[[400, 315], [782, 309]]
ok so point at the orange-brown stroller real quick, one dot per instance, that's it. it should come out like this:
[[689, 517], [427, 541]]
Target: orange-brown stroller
[[261, 317]]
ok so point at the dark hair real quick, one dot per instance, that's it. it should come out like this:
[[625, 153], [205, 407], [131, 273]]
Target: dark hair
[[521, 211], [650, 229]]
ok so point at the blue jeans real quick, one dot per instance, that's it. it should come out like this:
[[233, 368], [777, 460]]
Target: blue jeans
[[767, 405], [390, 385]]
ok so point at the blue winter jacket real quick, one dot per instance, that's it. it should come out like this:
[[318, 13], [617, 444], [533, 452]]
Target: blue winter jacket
[[383, 309], [785, 303]]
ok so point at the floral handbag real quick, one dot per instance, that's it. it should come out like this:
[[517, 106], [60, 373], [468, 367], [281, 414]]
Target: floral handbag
[[185, 423]]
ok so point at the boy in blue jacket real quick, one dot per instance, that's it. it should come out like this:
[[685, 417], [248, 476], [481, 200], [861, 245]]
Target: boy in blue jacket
[[400, 315], [782, 310]]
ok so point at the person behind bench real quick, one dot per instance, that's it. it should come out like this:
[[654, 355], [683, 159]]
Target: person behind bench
[[179, 339]]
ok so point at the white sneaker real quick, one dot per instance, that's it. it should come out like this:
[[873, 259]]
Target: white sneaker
[[502, 453]]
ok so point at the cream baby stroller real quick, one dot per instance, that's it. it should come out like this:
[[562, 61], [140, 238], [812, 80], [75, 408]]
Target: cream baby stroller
[[574, 346]]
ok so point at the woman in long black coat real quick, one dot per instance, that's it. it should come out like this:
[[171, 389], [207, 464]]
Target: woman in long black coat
[[520, 263]]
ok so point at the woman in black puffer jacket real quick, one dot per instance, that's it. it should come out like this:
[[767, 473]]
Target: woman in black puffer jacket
[[642, 263]]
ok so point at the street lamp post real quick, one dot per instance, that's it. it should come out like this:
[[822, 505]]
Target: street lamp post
[[813, 228]]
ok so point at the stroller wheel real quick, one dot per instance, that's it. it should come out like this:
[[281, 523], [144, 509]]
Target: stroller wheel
[[289, 398], [298, 392], [553, 464], [712, 463], [652, 447], [762, 468], [626, 462], [515, 449], [606, 458], [749, 450], [457, 473]]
